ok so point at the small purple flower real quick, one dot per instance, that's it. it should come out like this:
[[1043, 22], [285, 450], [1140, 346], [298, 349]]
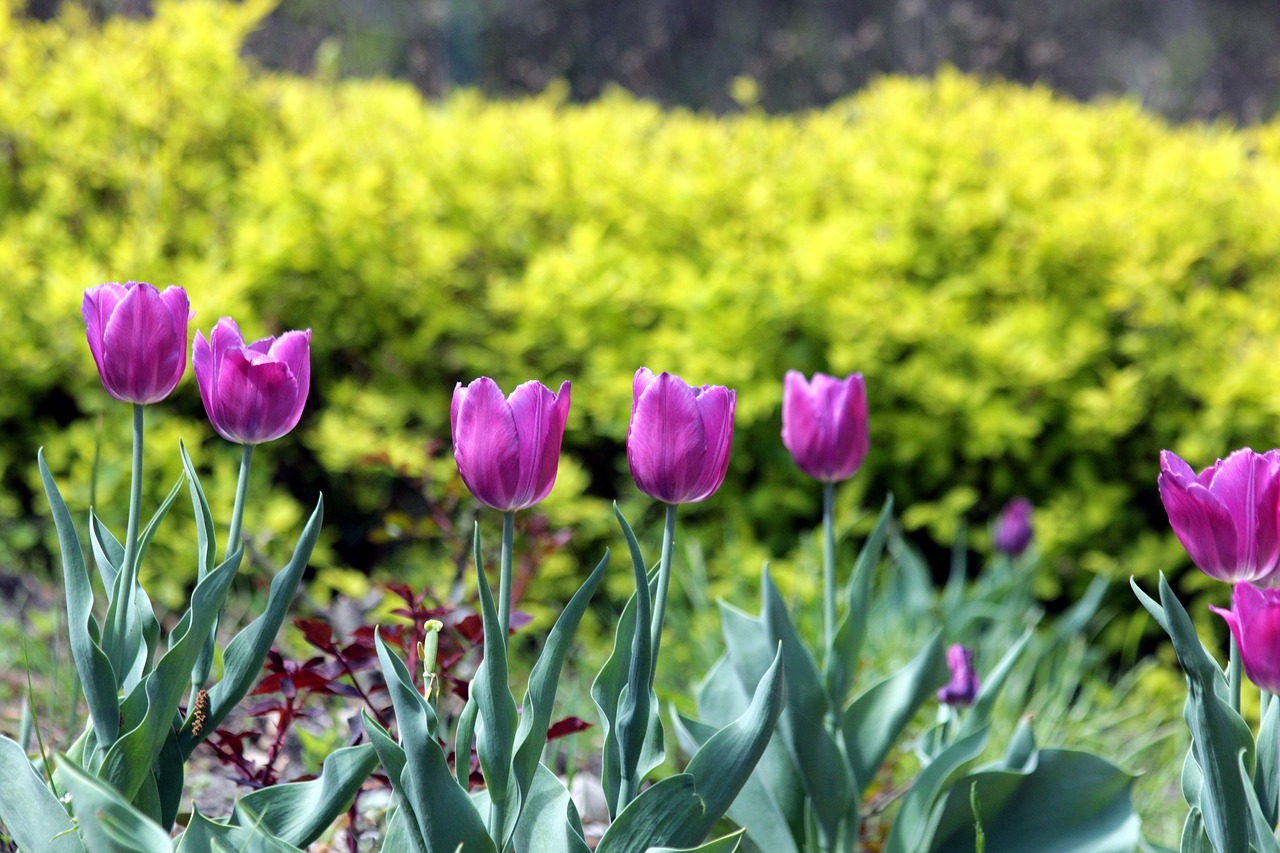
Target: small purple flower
[[1254, 620], [824, 424], [679, 438], [963, 687], [1013, 528], [508, 448], [138, 337], [1226, 516], [254, 392]]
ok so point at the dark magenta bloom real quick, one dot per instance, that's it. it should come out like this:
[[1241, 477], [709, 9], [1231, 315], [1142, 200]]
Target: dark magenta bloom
[[1226, 516], [252, 392], [138, 337], [824, 424], [508, 448], [1254, 620], [1013, 528], [963, 687], [679, 438]]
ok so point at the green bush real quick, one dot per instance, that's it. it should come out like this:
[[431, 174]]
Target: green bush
[[1042, 294]]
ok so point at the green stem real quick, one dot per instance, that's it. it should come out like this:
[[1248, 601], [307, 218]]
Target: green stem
[[1234, 665], [664, 580], [242, 489], [828, 565], [504, 581], [129, 566]]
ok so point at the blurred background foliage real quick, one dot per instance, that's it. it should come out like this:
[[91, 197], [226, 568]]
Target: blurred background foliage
[[1042, 294]]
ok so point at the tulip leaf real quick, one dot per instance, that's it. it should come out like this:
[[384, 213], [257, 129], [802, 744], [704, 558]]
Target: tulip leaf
[[1194, 837], [442, 812], [842, 657], [97, 677], [402, 825], [920, 813], [464, 740], [648, 819], [1266, 778], [548, 819], [544, 679], [242, 659], [30, 812], [728, 844], [1217, 733], [496, 728], [105, 820], [402, 833], [206, 553], [149, 710], [298, 812], [980, 714], [170, 773], [875, 720], [108, 554], [819, 758], [1264, 837]]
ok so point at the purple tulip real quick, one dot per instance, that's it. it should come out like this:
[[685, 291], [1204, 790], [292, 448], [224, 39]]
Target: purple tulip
[[138, 337], [679, 438], [508, 448], [1013, 527], [824, 424], [1254, 620], [252, 392], [963, 687], [1226, 517]]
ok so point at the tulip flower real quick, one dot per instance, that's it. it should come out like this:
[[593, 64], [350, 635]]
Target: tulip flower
[[1254, 620], [679, 438], [962, 689], [1013, 528], [1226, 516], [138, 337], [255, 392], [508, 448], [824, 424]]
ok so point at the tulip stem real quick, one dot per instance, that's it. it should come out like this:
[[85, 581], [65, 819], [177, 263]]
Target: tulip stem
[[1233, 674], [242, 489], [664, 580], [504, 583], [129, 566], [828, 565]]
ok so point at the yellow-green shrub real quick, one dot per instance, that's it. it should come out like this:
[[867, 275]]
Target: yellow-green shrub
[[1042, 294]]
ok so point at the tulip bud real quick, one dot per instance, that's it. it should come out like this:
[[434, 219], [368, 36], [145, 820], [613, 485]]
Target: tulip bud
[[679, 438], [1013, 528], [138, 337], [963, 687], [824, 424], [1226, 517], [1254, 620], [508, 448], [252, 392]]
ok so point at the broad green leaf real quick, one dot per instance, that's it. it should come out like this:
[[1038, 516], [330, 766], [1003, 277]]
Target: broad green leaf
[[842, 657], [1264, 837], [823, 768], [28, 809], [647, 820], [531, 735], [1266, 777], [108, 554], [728, 844], [242, 659], [496, 721], [1194, 838], [402, 825], [105, 820], [150, 709], [1059, 800], [875, 720], [298, 812], [170, 773], [548, 819], [97, 677], [206, 550], [980, 714], [920, 813], [464, 741]]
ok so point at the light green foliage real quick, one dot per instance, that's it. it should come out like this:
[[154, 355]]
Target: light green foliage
[[1041, 294]]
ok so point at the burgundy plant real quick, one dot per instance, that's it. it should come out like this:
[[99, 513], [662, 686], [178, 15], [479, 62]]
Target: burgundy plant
[[1226, 516], [824, 424], [138, 337], [679, 438]]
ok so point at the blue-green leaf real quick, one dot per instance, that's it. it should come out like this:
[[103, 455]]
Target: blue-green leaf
[[28, 809], [298, 812], [548, 819], [105, 820], [920, 813], [842, 657]]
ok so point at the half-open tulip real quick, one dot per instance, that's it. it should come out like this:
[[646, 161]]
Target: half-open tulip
[[679, 438], [1226, 516], [1013, 528], [1254, 620], [508, 448], [962, 689], [138, 337], [824, 424], [252, 392]]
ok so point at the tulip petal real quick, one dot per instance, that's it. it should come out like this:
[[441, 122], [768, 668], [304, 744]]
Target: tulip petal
[[716, 406], [294, 350], [254, 398], [487, 445], [1203, 525], [1254, 620], [666, 441], [539, 418], [143, 353], [98, 304], [203, 366]]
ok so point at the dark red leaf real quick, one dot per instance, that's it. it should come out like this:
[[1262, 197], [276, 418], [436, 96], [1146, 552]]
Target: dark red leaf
[[566, 727]]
